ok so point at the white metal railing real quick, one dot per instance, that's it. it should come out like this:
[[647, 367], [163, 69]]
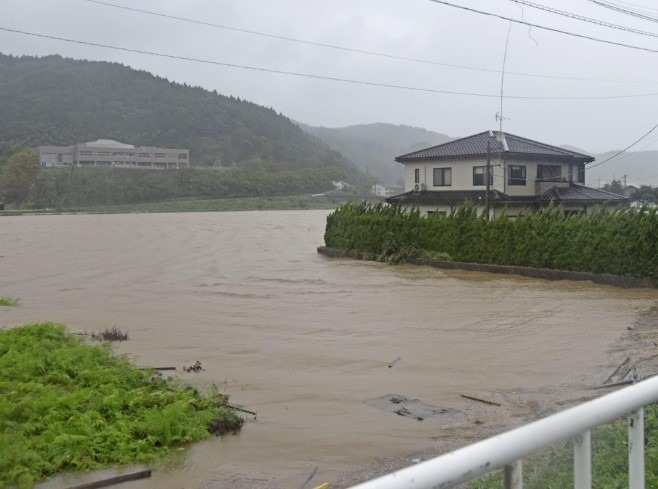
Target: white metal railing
[[507, 450]]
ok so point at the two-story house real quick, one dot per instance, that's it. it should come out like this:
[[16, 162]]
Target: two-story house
[[496, 171]]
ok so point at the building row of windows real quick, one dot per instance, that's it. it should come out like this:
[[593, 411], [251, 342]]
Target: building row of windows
[[126, 154], [516, 175], [127, 164]]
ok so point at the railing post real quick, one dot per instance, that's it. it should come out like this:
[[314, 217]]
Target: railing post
[[582, 461], [514, 475], [636, 449]]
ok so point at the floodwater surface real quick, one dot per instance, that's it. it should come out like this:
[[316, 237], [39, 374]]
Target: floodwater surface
[[302, 339]]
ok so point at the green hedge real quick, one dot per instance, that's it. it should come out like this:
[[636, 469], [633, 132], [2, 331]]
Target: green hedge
[[623, 242]]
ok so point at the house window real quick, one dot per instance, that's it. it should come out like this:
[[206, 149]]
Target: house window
[[479, 176], [577, 172], [182, 156], [442, 177], [549, 173], [417, 175], [516, 175], [86, 153]]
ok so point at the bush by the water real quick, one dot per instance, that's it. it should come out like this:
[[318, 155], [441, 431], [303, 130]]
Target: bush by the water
[[66, 405], [623, 242]]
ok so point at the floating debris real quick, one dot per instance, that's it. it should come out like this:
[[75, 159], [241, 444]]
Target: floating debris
[[113, 334], [411, 408], [197, 367]]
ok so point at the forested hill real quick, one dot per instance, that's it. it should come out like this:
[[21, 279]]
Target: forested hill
[[58, 101], [373, 147]]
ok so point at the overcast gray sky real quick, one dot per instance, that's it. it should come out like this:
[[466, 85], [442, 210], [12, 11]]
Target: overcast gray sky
[[419, 29]]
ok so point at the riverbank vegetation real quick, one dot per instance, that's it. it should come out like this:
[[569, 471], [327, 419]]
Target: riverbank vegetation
[[624, 242], [8, 301], [554, 467], [69, 406]]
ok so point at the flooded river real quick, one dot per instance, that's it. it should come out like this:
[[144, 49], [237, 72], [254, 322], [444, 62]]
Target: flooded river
[[305, 340]]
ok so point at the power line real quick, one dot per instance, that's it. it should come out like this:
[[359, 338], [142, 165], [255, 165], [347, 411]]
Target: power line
[[638, 7], [550, 29], [571, 15], [320, 77], [625, 11], [625, 149], [360, 51]]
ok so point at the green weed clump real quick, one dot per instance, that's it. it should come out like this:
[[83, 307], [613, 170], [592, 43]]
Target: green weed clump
[[66, 405], [9, 301], [623, 242]]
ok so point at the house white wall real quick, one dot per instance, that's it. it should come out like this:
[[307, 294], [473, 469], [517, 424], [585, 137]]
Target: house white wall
[[462, 175]]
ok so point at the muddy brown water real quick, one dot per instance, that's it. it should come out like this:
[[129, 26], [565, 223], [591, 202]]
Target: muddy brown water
[[302, 339]]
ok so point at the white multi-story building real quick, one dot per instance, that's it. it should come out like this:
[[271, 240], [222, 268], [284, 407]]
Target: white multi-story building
[[106, 153]]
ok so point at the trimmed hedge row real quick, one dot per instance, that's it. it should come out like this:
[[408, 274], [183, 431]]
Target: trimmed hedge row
[[623, 242]]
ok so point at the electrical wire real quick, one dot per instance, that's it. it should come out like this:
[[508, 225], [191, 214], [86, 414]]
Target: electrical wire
[[360, 51], [623, 150], [319, 77], [550, 29], [571, 15], [625, 11]]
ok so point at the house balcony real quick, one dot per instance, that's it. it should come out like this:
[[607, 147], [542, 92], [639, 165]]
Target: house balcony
[[544, 185]]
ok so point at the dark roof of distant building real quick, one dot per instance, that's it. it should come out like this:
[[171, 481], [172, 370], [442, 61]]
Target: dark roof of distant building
[[107, 143], [514, 147], [571, 194]]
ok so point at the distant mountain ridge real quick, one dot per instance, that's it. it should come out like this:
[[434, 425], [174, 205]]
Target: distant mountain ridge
[[373, 147], [632, 168], [58, 101]]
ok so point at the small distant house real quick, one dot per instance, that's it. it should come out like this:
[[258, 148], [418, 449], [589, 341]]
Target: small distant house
[[522, 176], [106, 153], [378, 190], [629, 189], [384, 190], [340, 185]]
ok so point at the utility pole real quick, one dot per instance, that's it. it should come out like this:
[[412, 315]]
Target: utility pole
[[488, 176]]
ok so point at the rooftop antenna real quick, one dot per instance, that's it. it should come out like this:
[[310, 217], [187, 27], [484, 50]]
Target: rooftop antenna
[[499, 115]]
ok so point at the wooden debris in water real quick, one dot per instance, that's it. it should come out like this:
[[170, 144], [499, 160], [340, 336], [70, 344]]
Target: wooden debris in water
[[390, 365], [114, 480], [480, 400], [612, 375], [308, 479]]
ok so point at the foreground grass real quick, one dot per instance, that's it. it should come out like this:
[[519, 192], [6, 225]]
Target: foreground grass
[[7, 301], [553, 468], [66, 405]]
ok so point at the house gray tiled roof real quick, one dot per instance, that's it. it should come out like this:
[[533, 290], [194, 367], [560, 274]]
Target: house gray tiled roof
[[509, 144], [571, 194], [579, 193]]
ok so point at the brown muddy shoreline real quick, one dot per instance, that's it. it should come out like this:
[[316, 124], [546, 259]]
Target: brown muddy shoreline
[[639, 345]]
